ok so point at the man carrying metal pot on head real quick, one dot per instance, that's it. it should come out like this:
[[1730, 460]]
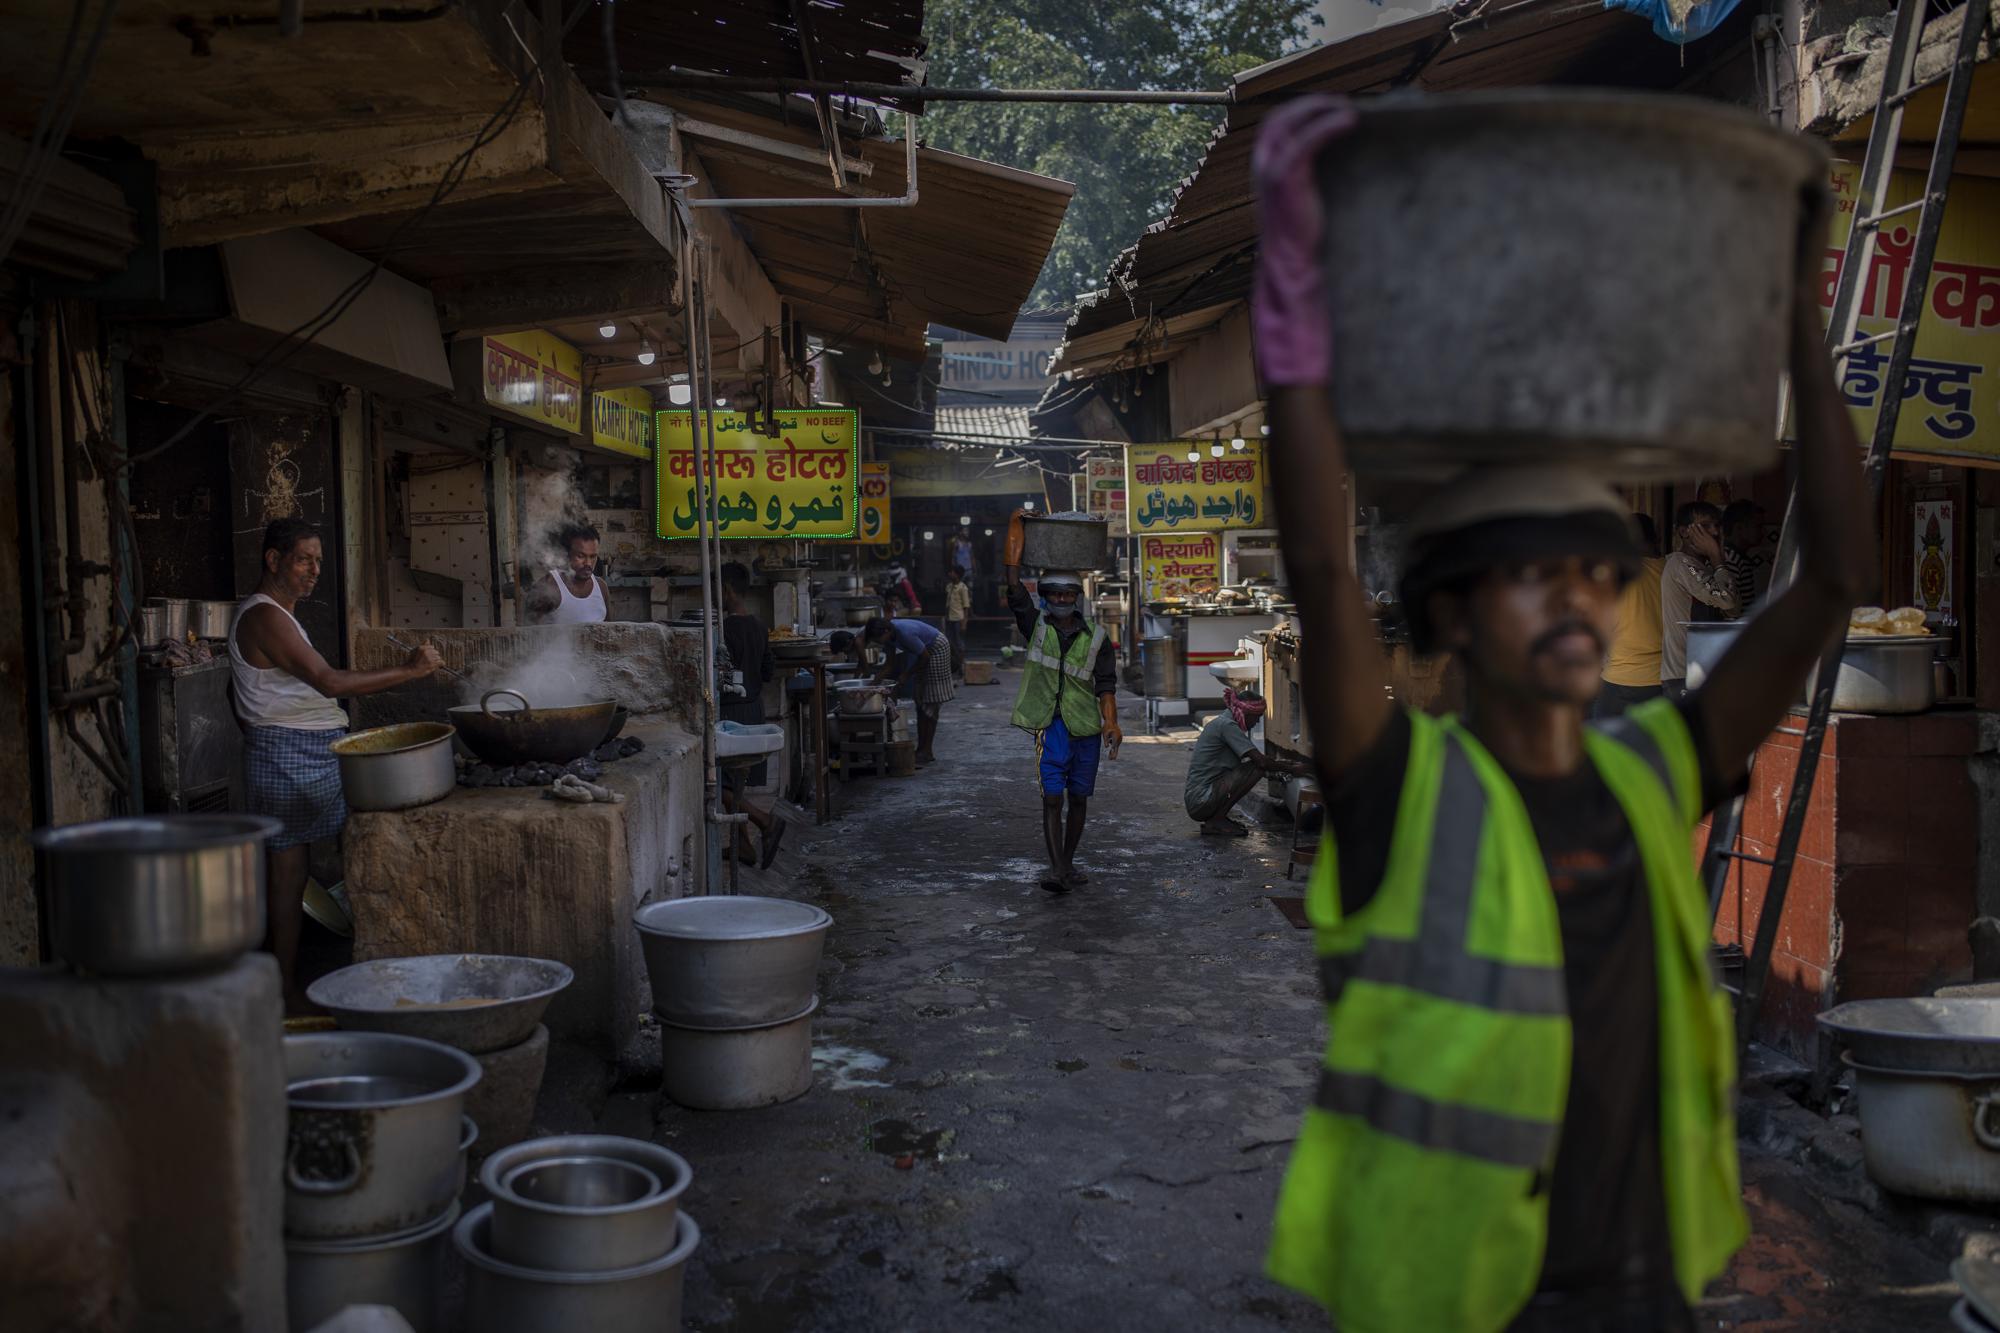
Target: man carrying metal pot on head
[[1068, 701], [285, 697], [1524, 1117]]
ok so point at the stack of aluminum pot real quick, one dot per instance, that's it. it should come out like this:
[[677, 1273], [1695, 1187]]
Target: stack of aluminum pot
[[583, 1231], [374, 1163]]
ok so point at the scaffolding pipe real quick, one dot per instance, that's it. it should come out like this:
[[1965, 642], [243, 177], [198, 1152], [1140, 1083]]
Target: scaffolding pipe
[[907, 199], [904, 92]]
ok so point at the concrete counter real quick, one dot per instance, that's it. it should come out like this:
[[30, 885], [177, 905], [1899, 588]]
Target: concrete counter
[[501, 870]]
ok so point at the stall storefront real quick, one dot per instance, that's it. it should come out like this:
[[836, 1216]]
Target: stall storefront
[[1211, 582]]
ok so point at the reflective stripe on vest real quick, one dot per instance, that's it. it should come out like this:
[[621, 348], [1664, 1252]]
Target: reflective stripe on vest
[[1504, 1140], [1436, 962], [1081, 672]]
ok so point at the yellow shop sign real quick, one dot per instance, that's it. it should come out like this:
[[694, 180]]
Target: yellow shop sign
[[534, 375], [801, 483], [621, 420]]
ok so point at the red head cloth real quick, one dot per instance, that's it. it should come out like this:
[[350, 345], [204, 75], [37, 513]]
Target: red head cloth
[[1246, 711]]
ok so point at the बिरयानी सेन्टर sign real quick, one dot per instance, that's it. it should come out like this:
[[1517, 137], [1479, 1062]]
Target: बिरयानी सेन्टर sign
[[802, 483], [1164, 492], [1181, 565]]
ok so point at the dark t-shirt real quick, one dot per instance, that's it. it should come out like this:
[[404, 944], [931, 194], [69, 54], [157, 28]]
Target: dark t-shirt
[[749, 647], [1607, 1206]]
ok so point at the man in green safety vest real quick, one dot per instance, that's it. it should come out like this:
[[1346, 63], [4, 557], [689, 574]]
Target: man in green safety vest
[[1524, 1114], [1068, 701]]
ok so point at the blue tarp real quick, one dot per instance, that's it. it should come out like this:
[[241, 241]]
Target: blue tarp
[[1703, 19]]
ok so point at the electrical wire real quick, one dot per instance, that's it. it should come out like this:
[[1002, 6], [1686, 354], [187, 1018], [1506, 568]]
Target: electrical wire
[[44, 154]]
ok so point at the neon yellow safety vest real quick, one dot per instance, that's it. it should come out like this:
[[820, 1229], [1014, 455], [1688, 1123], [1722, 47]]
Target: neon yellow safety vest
[[1056, 679], [1416, 1197]]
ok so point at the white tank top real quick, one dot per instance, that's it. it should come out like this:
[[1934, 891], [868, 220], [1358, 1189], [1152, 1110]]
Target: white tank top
[[574, 610], [272, 696]]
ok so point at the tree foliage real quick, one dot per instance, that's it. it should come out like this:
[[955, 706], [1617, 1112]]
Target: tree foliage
[[1126, 160]]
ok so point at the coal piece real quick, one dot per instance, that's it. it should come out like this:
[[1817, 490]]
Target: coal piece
[[630, 745]]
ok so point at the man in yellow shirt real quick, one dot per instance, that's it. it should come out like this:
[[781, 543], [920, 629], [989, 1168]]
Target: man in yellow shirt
[[1632, 667], [957, 611]]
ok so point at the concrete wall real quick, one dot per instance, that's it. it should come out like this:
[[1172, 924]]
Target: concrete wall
[[647, 667], [506, 871], [144, 1131]]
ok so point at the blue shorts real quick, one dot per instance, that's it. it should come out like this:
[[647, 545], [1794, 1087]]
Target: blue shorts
[[1068, 763]]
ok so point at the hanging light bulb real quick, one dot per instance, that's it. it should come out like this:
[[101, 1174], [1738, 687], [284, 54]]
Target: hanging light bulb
[[646, 354], [1027, 504], [875, 363], [1237, 444], [965, 520], [1215, 447], [930, 536], [1263, 430], [989, 532], [1194, 455], [607, 330]]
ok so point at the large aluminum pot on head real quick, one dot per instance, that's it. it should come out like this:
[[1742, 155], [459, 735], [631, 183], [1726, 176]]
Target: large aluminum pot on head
[[524, 734], [397, 767], [155, 893], [1568, 352], [376, 1123], [731, 961]]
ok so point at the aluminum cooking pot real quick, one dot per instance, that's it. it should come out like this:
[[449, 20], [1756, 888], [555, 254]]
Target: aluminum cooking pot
[[508, 1298], [1932, 1135], [152, 625], [528, 734], [374, 1132], [398, 767], [157, 893], [179, 613], [404, 1271], [211, 620], [731, 961]]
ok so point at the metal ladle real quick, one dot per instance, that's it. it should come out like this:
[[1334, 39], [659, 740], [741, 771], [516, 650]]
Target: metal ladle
[[411, 648]]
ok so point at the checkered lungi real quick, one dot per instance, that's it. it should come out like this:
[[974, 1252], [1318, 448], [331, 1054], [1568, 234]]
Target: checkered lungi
[[932, 685], [294, 777]]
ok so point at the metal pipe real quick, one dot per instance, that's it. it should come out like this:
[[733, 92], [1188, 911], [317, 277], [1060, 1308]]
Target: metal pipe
[[125, 588], [691, 259], [907, 199], [35, 626], [711, 559], [903, 92]]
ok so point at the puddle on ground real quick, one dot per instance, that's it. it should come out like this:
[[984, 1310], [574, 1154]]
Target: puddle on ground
[[848, 1067], [1071, 1066], [900, 1138]]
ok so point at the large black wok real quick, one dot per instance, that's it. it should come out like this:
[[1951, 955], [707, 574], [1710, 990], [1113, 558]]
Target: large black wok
[[525, 735]]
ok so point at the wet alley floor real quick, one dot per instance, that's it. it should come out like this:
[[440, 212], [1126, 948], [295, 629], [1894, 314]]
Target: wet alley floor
[[1039, 1112]]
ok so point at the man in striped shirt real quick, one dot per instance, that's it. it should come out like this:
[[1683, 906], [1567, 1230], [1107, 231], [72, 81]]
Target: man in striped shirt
[[1743, 553]]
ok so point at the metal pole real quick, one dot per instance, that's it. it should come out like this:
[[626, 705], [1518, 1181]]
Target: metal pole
[[904, 92], [695, 403]]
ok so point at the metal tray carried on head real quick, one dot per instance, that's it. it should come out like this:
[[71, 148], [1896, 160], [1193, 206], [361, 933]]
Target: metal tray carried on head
[[1920, 1035], [474, 1001]]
